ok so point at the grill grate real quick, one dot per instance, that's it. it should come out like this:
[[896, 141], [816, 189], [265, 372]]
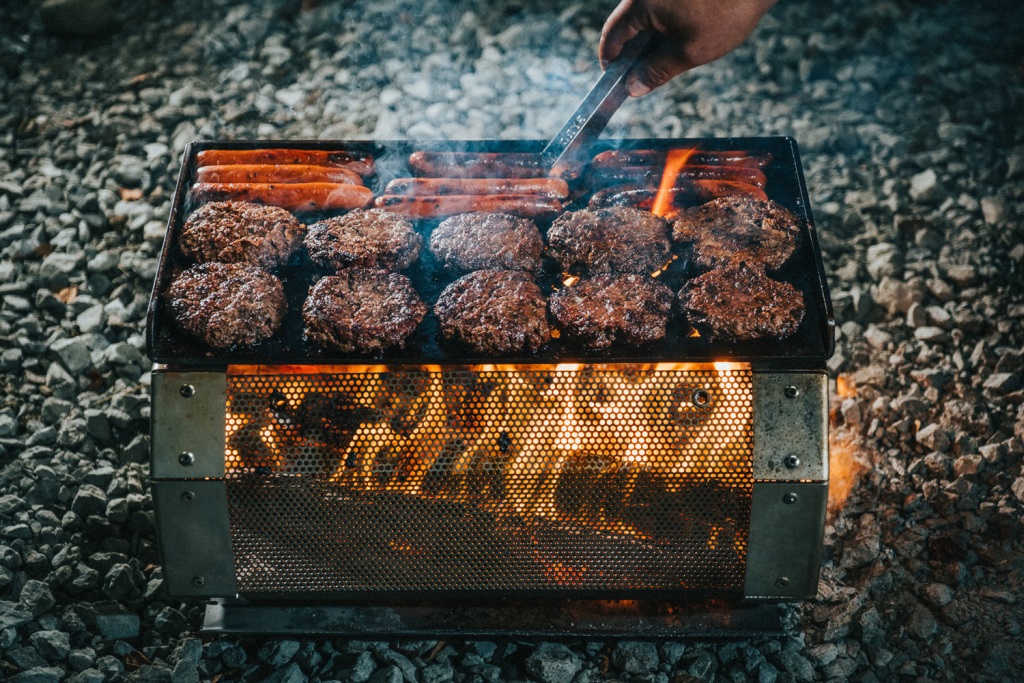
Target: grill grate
[[571, 478]]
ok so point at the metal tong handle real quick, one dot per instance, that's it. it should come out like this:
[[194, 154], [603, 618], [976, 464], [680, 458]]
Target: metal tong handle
[[596, 109]]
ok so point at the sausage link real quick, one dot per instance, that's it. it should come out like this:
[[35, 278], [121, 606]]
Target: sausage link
[[359, 162], [476, 164], [651, 175], [418, 187], [656, 157], [266, 173], [528, 206], [291, 196]]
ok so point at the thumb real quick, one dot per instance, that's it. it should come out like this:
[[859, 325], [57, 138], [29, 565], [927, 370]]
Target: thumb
[[655, 70]]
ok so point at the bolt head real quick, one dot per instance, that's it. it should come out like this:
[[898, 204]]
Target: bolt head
[[198, 581], [701, 398], [791, 391], [791, 461], [186, 459], [781, 582], [187, 391], [188, 496], [790, 498]]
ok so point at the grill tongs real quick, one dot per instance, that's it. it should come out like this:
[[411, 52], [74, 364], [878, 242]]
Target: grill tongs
[[565, 153]]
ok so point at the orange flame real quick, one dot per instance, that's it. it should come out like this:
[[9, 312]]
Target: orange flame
[[674, 163], [845, 470]]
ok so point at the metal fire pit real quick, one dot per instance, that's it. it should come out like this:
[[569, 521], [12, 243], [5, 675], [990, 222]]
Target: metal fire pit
[[682, 472]]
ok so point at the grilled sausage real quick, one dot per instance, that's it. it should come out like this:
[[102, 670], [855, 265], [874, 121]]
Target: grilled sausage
[[476, 165], [528, 206], [267, 173], [656, 157], [651, 175], [359, 162], [689, 193], [418, 187], [291, 196]]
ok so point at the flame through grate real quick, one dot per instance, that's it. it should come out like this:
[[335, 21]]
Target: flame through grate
[[496, 478]]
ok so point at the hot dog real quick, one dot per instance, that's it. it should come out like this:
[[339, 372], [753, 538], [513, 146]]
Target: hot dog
[[656, 157], [359, 162], [418, 187], [684, 195], [476, 165], [291, 196], [651, 175], [266, 173], [528, 206]]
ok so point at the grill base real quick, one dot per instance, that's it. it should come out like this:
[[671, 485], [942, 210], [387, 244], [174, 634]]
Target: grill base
[[507, 619]]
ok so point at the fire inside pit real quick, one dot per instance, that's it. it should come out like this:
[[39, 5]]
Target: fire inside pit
[[691, 465]]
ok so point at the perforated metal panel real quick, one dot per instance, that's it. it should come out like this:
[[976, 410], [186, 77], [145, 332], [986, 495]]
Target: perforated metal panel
[[567, 478]]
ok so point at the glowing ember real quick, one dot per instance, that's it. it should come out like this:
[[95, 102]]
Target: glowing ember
[[674, 163], [845, 470]]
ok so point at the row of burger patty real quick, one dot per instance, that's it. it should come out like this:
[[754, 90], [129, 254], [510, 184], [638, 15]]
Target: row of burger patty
[[231, 297]]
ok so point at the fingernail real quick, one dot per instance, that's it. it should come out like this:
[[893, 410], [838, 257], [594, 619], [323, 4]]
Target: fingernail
[[637, 88]]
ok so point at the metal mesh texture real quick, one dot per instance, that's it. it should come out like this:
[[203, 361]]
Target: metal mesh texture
[[580, 480]]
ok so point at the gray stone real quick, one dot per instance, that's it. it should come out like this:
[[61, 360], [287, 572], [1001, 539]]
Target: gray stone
[[42, 674], [883, 260], [74, 353], [277, 653], [36, 597], [925, 188], [916, 315], [553, 663], [635, 657], [937, 594], [87, 676], [933, 437], [993, 209], [962, 275], [436, 673], [118, 626], [921, 624], [92, 319], [53, 645], [89, 500], [797, 665], [931, 334], [149, 673], [363, 668], [12, 614], [1002, 382], [896, 296], [289, 674], [8, 423]]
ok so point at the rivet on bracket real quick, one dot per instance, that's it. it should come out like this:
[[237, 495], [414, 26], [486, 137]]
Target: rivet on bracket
[[186, 459], [187, 391], [790, 498]]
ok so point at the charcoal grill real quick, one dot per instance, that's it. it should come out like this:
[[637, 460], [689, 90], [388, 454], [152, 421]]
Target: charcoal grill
[[686, 470]]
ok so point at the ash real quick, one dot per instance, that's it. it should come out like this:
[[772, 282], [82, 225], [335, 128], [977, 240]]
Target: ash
[[909, 120]]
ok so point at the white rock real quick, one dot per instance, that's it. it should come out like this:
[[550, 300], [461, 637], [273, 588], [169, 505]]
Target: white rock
[[291, 97], [940, 317], [916, 315], [994, 210], [925, 188], [930, 334]]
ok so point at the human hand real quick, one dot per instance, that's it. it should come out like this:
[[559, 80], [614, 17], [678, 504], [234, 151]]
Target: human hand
[[694, 32]]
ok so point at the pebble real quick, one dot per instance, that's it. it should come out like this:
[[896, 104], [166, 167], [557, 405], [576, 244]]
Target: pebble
[[553, 663], [925, 187], [634, 657]]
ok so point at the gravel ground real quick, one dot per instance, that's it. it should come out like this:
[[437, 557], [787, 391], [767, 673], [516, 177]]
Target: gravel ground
[[909, 118]]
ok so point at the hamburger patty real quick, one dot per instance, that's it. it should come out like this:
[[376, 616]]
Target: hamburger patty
[[481, 241], [741, 302], [605, 308], [367, 238], [612, 240], [240, 232], [494, 312], [734, 230], [227, 304], [362, 309]]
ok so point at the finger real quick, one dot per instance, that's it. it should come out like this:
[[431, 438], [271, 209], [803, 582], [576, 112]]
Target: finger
[[655, 70], [622, 25]]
